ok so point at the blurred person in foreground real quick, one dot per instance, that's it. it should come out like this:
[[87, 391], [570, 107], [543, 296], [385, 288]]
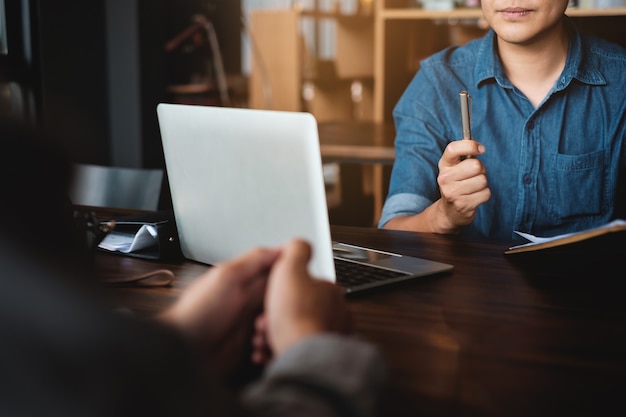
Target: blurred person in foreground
[[65, 352]]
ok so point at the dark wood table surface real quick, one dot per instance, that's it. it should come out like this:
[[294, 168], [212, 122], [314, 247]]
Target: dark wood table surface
[[490, 338]]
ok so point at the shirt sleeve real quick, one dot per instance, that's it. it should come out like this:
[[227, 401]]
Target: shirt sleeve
[[426, 121], [324, 375], [422, 133]]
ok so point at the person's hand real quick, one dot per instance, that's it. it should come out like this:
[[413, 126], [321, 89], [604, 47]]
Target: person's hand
[[463, 187], [216, 313], [296, 305], [462, 183]]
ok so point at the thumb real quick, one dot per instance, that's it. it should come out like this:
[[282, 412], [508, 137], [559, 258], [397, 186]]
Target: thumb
[[294, 259], [292, 264]]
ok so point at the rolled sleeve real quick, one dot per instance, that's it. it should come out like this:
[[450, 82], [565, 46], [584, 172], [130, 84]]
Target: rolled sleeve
[[402, 205]]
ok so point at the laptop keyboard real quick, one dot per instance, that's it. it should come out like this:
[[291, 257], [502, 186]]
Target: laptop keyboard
[[352, 274]]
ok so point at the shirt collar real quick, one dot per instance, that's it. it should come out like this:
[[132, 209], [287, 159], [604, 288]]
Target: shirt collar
[[489, 66]]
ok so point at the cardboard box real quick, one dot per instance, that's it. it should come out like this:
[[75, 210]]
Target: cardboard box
[[276, 67], [355, 47]]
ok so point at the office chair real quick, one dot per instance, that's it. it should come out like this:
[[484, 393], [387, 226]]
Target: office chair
[[116, 187]]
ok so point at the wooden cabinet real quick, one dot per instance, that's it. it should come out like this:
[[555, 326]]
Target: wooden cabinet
[[403, 35], [377, 53], [288, 73]]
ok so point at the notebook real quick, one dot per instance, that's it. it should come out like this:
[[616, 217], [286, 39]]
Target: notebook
[[242, 178]]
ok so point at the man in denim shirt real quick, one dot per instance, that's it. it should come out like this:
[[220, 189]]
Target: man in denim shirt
[[548, 116]]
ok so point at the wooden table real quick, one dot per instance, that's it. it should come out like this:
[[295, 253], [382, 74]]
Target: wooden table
[[489, 338], [370, 144]]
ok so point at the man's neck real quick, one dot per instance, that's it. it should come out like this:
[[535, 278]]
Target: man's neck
[[533, 68]]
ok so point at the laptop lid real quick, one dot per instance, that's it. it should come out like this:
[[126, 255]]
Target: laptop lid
[[242, 178]]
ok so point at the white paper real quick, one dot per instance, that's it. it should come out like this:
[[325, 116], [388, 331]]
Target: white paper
[[117, 241], [535, 240]]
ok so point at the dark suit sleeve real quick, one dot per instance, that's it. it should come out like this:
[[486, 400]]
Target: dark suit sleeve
[[325, 375]]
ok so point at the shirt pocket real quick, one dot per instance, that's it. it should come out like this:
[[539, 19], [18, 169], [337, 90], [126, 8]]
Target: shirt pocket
[[578, 185]]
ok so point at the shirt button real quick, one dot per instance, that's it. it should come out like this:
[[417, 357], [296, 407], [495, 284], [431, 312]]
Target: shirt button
[[531, 125], [527, 179]]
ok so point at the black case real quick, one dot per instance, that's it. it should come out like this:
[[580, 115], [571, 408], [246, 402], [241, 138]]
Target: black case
[[168, 246]]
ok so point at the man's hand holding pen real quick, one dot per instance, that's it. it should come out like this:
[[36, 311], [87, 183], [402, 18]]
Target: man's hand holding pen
[[462, 178], [463, 186]]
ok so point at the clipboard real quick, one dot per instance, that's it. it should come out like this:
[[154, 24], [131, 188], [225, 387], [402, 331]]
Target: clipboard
[[596, 234], [592, 247]]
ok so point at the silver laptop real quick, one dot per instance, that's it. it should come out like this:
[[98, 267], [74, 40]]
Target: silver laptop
[[242, 178]]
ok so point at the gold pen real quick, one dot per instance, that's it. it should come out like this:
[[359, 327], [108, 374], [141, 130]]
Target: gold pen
[[465, 114]]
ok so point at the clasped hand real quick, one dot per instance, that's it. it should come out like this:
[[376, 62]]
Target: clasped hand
[[260, 303]]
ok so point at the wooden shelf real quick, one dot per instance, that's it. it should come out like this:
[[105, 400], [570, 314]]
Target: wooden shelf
[[578, 12], [476, 13], [335, 15], [419, 14], [394, 54], [382, 48]]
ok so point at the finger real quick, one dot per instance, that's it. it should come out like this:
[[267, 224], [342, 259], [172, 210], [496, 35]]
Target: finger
[[261, 352], [259, 342], [459, 149], [250, 265], [470, 170], [260, 346], [260, 323], [261, 356], [476, 183], [295, 257], [460, 190]]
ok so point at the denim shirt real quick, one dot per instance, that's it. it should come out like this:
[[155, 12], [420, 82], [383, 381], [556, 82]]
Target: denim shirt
[[552, 169]]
